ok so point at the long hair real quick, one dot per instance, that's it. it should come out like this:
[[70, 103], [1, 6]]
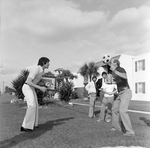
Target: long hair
[[42, 61]]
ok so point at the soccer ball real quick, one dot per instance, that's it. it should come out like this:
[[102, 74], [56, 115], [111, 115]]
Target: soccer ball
[[106, 59]]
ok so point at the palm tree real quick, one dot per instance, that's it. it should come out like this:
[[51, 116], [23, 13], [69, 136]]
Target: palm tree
[[92, 70], [87, 71], [68, 75], [84, 72], [65, 75]]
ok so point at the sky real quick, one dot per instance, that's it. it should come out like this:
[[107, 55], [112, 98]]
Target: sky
[[70, 32]]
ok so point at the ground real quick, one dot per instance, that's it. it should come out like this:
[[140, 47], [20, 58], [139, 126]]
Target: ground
[[62, 126]]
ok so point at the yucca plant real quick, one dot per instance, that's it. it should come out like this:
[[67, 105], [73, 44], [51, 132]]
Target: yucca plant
[[18, 83], [65, 90], [64, 85]]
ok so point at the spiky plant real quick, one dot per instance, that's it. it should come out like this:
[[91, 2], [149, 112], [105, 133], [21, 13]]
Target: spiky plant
[[65, 91], [64, 87], [18, 83]]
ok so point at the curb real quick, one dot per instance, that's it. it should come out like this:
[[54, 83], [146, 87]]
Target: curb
[[133, 111]]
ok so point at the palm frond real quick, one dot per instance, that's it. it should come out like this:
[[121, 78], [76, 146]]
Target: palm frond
[[18, 83]]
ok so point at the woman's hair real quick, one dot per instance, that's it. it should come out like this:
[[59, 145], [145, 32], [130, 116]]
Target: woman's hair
[[42, 61], [104, 73], [94, 77]]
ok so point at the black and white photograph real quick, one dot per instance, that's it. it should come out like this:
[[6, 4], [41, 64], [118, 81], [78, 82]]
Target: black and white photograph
[[74, 73]]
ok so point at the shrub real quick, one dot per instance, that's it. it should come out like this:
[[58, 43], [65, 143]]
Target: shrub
[[74, 95], [18, 83], [65, 91]]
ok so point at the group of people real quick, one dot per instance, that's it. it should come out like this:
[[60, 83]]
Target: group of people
[[106, 88]]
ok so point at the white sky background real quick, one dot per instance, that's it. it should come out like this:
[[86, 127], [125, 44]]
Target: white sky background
[[70, 32]]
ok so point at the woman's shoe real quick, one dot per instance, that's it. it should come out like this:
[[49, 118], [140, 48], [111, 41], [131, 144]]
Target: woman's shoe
[[22, 129], [113, 129], [99, 120]]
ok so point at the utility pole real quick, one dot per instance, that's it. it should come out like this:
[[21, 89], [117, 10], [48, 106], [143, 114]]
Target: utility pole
[[1, 53]]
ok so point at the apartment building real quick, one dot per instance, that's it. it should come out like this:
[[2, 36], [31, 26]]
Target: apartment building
[[138, 72], [141, 77]]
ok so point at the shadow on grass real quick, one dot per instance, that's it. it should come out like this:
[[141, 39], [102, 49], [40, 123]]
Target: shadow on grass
[[146, 121], [97, 113], [31, 135]]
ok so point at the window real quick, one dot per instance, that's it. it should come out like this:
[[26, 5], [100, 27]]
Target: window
[[140, 87], [140, 65]]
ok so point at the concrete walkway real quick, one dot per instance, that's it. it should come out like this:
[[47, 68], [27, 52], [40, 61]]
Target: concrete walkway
[[135, 106]]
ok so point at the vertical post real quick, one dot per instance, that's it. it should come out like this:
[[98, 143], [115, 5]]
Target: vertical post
[[85, 93], [1, 53]]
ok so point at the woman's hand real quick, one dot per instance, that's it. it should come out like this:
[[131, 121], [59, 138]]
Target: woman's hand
[[109, 93]]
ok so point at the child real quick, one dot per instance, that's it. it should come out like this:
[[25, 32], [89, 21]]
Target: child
[[109, 88]]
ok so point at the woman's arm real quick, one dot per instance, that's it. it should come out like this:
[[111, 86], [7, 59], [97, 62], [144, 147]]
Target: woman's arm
[[87, 86]]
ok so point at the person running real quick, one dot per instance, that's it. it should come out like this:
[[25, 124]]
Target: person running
[[121, 104], [91, 88], [35, 74], [109, 89]]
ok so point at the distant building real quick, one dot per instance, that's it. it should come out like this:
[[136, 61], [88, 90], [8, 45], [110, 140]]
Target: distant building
[[138, 72]]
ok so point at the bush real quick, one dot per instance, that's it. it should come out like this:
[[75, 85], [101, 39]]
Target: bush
[[65, 91], [74, 95], [18, 83]]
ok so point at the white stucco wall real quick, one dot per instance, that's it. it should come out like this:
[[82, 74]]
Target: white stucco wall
[[126, 63], [78, 82], [142, 76]]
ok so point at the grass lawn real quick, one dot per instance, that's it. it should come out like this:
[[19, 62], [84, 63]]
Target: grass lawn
[[66, 127]]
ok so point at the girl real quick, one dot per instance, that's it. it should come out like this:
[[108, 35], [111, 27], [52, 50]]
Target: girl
[[109, 88]]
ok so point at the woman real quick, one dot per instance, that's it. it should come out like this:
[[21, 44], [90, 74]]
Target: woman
[[109, 89], [91, 88], [35, 74]]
